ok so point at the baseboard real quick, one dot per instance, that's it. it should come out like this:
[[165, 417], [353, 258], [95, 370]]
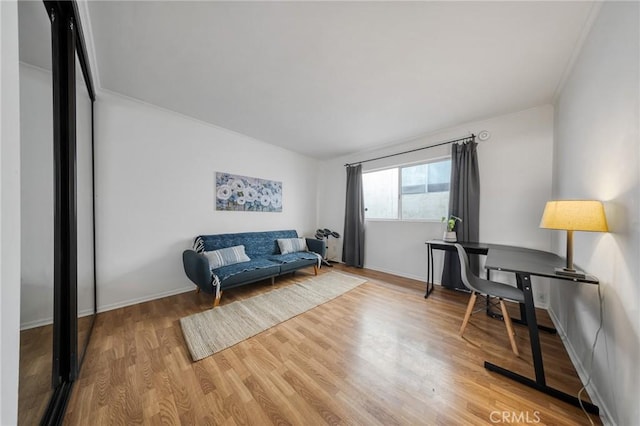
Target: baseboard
[[36, 323], [583, 374], [47, 321], [125, 303], [541, 305], [400, 274]]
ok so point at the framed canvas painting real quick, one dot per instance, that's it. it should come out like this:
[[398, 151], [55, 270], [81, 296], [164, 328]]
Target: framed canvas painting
[[248, 194]]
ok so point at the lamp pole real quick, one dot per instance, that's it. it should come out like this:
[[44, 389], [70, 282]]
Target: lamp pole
[[569, 267]]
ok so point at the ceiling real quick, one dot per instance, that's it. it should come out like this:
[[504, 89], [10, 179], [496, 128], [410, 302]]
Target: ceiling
[[330, 78]]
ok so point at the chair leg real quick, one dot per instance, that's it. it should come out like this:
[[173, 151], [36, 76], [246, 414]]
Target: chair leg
[[509, 325], [315, 269], [467, 315]]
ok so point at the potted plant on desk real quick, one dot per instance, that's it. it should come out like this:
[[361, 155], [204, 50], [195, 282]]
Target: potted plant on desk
[[450, 235]]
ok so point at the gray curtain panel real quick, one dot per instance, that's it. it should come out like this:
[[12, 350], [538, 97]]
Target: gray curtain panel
[[464, 202], [353, 238]]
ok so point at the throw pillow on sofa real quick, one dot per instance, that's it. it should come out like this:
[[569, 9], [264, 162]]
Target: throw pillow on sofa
[[292, 245], [226, 256]]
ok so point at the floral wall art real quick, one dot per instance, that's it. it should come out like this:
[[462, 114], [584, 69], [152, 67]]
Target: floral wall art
[[247, 194]]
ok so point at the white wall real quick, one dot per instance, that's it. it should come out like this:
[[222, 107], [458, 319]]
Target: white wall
[[9, 213], [597, 156], [155, 186], [515, 182]]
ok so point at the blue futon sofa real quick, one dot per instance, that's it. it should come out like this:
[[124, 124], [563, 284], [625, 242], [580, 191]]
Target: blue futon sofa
[[223, 261]]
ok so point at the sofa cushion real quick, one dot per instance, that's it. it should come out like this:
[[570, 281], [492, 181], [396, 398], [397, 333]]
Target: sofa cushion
[[246, 271], [226, 256], [293, 257], [257, 244], [292, 261], [292, 245]]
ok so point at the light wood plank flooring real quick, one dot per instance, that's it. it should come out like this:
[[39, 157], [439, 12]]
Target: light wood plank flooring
[[34, 388], [379, 355]]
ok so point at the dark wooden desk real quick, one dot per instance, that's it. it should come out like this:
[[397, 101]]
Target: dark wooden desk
[[469, 247], [525, 263]]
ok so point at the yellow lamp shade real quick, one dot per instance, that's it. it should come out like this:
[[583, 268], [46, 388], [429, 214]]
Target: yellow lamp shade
[[574, 215]]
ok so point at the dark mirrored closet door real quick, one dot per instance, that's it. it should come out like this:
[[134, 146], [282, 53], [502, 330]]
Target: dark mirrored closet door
[[58, 274]]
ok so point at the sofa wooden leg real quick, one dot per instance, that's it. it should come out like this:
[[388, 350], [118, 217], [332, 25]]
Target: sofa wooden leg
[[273, 280], [197, 290], [315, 269], [216, 301]]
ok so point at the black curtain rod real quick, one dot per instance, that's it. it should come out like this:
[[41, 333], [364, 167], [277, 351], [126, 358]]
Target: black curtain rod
[[472, 137]]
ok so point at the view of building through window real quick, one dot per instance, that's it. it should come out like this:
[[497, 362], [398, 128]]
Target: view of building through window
[[380, 194], [416, 192]]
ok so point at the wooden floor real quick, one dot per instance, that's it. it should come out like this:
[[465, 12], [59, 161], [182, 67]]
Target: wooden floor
[[34, 387], [36, 357], [379, 355]]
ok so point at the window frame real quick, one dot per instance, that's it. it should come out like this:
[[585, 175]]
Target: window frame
[[399, 168]]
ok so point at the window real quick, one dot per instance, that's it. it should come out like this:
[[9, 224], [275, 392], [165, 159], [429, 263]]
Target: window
[[380, 194], [416, 192]]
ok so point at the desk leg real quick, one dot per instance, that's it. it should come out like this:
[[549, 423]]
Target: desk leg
[[523, 309], [523, 313], [562, 396], [524, 282], [430, 269]]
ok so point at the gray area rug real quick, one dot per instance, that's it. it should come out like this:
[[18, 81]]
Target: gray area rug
[[216, 329]]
